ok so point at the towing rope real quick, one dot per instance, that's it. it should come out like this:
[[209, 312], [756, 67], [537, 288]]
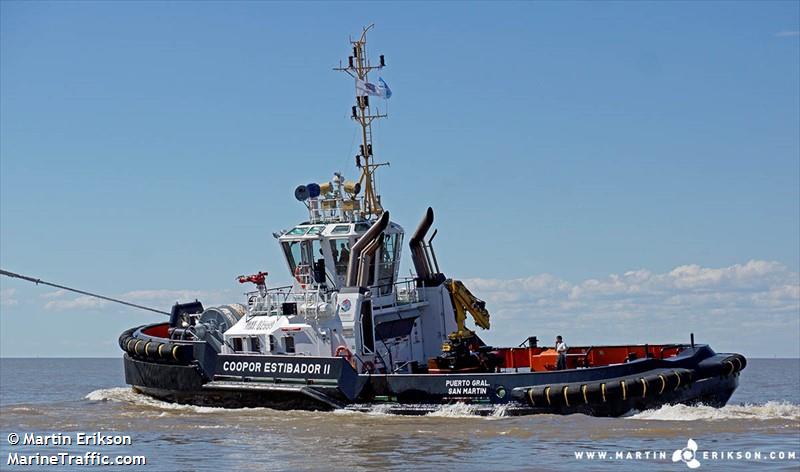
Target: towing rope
[[115, 300]]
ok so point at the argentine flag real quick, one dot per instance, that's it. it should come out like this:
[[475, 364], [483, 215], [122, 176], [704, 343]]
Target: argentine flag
[[369, 88]]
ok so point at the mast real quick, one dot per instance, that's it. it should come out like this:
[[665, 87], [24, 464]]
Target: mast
[[358, 66]]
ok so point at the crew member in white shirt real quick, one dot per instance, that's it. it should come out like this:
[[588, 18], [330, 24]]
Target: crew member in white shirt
[[561, 350]]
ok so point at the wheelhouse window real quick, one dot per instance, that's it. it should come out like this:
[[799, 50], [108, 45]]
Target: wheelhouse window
[[315, 230], [341, 229], [341, 255], [237, 345], [306, 260], [298, 231], [255, 344], [389, 256], [294, 253]]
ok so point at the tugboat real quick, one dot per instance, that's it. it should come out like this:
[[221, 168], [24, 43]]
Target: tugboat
[[350, 333]]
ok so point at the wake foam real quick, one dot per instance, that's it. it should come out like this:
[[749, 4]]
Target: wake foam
[[452, 410], [127, 395], [771, 410], [455, 410], [463, 410]]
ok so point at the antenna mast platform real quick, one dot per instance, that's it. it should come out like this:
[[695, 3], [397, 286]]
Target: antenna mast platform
[[358, 66]]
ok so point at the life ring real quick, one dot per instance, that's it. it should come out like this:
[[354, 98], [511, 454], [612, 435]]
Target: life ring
[[298, 275], [348, 356], [367, 367]]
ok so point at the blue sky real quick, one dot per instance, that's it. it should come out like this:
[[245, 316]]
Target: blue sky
[[616, 172]]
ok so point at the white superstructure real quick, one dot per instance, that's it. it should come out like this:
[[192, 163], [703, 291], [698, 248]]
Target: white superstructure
[[346, 298], [380, 322]]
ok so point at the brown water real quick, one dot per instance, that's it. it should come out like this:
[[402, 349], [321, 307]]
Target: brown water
[[88, 395]]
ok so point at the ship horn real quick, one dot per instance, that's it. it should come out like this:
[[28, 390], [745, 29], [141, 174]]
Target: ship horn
[[355, 252], [417, 250]]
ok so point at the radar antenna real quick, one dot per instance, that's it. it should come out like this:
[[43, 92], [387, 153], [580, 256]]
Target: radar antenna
[[358, 66]]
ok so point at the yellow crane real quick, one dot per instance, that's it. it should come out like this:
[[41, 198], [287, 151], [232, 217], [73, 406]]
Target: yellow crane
[[461, 351], [464, 301]]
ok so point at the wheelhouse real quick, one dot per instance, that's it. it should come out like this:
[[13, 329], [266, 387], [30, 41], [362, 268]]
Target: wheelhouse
[[318, 255]]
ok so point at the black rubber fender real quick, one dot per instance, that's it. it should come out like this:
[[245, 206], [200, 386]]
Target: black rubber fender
[[733, 364], [125, 336], [600, 392], [539, 395], [631, 387], [182, 353], [563, 395], [572, 394], [656, 385], [152, 350], [721, 364], [595, 393], [613, 390], [685, 376], [676, 379], [648, 384]]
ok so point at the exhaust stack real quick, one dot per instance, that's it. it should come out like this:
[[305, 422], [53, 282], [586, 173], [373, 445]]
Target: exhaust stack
[[367, 256], [417, 244], [355, 252]]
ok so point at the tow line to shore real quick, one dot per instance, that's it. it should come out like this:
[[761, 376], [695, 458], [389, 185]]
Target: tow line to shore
[[82, 292]]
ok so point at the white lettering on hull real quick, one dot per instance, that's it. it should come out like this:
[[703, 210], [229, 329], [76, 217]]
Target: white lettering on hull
[[456, 387], [269, 367]]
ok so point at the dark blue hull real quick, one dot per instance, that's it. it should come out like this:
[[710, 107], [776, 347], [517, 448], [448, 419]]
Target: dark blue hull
[[696, 375]]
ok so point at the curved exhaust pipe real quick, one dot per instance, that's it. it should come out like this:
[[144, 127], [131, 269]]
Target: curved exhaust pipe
[[367, 256], [355, 252], [418, 256]]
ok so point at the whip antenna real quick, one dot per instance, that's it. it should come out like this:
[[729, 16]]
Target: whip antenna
[[40, 281]]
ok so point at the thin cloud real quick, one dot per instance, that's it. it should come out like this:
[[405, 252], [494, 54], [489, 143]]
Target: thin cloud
[[158, 298], [82, 302], [644, 306], [7, 297], [146, 295], [55, 294], [787, 34]]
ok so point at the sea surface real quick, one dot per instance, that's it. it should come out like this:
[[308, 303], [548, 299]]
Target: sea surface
[[69, 396]]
